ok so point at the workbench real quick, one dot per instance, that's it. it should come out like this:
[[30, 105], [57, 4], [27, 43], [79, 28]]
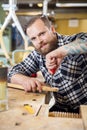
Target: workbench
[[18, 118]]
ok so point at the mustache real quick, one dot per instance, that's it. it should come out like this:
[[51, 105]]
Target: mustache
[[42, 44]]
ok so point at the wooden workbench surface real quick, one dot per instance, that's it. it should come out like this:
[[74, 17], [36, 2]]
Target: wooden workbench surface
[[17, 118], [18, 98]]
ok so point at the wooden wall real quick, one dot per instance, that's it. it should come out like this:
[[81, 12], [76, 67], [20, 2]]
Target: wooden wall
[[63, 21]]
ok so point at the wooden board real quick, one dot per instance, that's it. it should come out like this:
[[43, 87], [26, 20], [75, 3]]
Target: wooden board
[[84, 115]]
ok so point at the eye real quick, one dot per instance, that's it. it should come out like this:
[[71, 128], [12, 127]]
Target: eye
[[33, 39], [42, 33]]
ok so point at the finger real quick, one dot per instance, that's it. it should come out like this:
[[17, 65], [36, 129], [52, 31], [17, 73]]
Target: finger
[[49, 70], [51, 61], [28, 89], [39, 87], [34, 87]]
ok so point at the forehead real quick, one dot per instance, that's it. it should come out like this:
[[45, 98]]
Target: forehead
[[36, 27]]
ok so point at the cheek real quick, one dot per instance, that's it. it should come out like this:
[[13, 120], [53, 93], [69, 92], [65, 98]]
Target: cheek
[[49, 37], [46, 39], [37, 46]]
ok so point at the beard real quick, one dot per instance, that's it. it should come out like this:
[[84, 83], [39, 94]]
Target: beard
[[49, 47]]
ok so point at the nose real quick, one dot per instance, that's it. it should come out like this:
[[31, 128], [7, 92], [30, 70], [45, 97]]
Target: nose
[[39, 40]]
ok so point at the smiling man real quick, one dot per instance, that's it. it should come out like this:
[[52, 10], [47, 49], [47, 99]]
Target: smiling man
[[70, 76], [44, 38]]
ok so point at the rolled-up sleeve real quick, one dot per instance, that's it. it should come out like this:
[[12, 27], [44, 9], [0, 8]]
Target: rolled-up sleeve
[[26, 67]]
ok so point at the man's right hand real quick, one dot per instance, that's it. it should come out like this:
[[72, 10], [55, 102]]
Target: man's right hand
[[30, 84], [53, 60]]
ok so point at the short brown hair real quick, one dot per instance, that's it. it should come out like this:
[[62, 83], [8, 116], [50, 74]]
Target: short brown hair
[[44, 18]]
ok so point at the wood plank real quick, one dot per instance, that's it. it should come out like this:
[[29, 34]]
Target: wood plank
[[84, 115]]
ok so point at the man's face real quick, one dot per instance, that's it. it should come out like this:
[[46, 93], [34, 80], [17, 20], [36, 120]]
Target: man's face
[[43, 38]]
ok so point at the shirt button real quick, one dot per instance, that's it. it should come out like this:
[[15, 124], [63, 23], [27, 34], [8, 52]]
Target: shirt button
[[60, 100], [65, 97]]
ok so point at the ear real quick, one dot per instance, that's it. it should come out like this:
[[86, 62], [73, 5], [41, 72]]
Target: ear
[[53, 29]]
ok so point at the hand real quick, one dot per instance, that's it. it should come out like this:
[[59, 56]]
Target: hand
[[51, 64], [32, 84], [53, 60], [29, 83]]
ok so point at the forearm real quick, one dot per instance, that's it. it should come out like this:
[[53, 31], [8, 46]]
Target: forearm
[[18, 79], [28, 83], [79, 46]]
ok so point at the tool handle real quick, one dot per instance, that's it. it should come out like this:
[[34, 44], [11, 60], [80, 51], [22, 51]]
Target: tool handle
[[44, 88], [53, 70]]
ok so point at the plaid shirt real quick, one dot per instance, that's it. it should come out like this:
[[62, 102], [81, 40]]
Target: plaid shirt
[[70, 78]]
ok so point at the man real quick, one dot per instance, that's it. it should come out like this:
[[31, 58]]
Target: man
[[70, 77]]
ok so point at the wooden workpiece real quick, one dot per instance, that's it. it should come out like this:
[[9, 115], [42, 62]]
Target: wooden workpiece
[[44, 88]]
